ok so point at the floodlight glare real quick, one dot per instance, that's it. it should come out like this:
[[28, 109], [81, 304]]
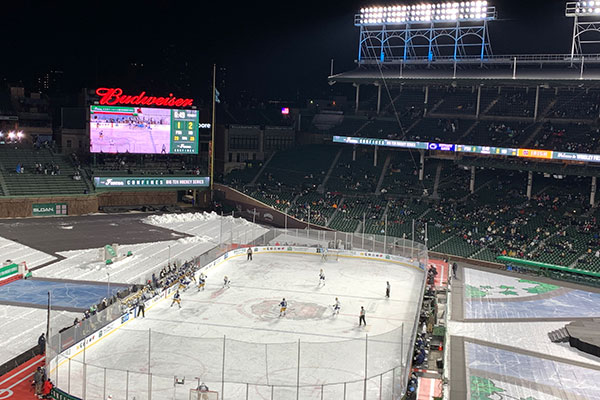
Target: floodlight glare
[[582, 8], [20, 134], [442, 12], [11, 135]]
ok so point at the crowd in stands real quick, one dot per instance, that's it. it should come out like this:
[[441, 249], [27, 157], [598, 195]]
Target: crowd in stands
[[578, 138], [556, 225], [320, 206]]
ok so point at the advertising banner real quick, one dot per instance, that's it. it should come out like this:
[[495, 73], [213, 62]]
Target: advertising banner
[[49, 209], [150, 182], [8, 270]]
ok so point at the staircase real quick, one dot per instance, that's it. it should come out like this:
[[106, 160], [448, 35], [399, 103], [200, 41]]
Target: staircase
[[261, 170], [87, 178], [559, 336], [533, 134], [3, 188], [436, 184], [388, 160], [321, 187], [468, 131], [435, 107], [340, 204], [489, 106]]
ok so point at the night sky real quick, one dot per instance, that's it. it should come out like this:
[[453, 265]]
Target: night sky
[[270, 50]]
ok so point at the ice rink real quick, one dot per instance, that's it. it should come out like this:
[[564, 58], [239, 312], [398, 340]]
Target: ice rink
[[237, 333]]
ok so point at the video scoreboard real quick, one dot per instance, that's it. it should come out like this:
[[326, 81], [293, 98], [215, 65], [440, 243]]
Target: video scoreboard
[[184, 131], [143, 130]]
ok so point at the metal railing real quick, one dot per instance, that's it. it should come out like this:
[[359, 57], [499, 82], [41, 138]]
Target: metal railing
[[489, 59]]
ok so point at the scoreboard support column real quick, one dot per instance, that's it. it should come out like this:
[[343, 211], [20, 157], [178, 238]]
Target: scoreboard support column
[[593, 192], [478, 101], [422, 165], [357, 85], [375, 157]]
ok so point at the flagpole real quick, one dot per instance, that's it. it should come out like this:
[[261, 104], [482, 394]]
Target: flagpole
[[212, 134]]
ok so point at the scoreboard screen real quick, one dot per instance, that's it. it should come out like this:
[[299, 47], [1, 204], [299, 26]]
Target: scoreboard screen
[[143, 130]]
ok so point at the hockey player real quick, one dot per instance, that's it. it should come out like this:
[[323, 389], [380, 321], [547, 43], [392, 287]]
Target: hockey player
[[184, 283], [176, 299], [336, 307], [249, 253], [321, 277], [226, 282], [361, 318], [323, 254], [387, 289], [283, 307], [201, 282]]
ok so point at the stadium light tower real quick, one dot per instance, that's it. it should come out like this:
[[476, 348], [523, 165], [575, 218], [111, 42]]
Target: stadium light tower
[[586, 26], [424, 32]]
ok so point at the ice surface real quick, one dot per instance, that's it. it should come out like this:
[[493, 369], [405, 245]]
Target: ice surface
[[261, 348]]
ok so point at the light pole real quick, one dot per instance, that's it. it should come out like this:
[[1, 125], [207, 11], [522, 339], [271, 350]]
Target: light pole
[[308, 233], [107, 285]]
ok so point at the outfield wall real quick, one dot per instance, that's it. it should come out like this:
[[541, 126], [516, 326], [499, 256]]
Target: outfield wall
[[19, 207]]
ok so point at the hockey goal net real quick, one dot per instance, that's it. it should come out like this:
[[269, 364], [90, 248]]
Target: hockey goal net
[[330, 255], [196, 394]]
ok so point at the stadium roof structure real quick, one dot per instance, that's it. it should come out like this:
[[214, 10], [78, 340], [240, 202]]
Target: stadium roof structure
[[526, 74]]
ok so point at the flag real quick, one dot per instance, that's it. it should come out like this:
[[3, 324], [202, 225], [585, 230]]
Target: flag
[[217, 94]]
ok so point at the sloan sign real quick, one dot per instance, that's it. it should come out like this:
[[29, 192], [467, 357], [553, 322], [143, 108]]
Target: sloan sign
[[115, 97]]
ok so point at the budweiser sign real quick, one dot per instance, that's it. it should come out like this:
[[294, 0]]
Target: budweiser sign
[[115, 97]]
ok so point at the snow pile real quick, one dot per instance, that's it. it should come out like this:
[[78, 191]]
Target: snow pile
[[195, 239], [178, 218]]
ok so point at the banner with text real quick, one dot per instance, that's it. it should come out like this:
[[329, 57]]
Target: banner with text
[[150, 182], [49, 209]]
